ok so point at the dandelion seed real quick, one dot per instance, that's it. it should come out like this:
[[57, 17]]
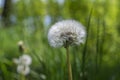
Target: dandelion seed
[[66, 32]]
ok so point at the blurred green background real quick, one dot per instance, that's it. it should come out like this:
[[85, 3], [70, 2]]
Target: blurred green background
[[29, 20]]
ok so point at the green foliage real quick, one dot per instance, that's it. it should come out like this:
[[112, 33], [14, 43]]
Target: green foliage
[[101, 52]]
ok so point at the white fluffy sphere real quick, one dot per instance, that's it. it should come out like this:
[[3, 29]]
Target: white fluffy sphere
[[24, 70], [64, 31]]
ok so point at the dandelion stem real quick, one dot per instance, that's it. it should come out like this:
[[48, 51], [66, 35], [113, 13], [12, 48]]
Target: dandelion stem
[[69, 64], [22, 77]]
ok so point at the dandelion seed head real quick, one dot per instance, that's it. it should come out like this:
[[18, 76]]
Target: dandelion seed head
[[69, 31], [24, 70], [23, 63], [25, 59]]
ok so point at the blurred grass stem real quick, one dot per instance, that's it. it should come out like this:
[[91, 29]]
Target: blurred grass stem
[[85, 47]]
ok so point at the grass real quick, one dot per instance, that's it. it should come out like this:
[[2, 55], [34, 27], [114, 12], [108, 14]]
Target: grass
[[50, 64]]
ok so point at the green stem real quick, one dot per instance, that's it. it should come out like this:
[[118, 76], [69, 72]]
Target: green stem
[[22, 77], [69, 64]]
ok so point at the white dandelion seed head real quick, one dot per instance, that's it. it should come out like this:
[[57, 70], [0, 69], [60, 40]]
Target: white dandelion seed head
[[67, 30], [24, 70], [25, 59]]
